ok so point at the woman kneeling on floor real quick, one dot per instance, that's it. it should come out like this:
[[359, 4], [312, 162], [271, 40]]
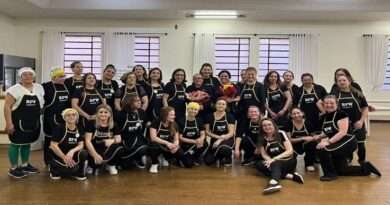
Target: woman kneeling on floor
[[68, 157], [278, 156]]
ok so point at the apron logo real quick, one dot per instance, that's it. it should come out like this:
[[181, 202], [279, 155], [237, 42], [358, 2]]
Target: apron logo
[[274, 149], [309, 100], [72, 140], [275, 97], [94, 101], [63, 98], [347, 105], [327, 129], [221, 127], [30, 102], [247, 96]]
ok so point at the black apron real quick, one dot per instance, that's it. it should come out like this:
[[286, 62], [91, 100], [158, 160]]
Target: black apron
[[107, 153], [52, 112], [308, 104], [330, 128], [129, 92], [349, 104], [252, 134], [274, 148], [26, 120], [297, 133], [248, 97], [276, 102], [108, 91], [178, 101], [221, 127], [164, 134], [132, 134], [156, 101], [68, 142], [77, 84], [190, 132], [89, 103]]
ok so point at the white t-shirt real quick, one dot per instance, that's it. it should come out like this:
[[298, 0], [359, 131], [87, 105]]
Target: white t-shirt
[[18, 91]]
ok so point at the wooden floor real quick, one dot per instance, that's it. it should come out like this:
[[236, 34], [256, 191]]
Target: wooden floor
[[202, 185]]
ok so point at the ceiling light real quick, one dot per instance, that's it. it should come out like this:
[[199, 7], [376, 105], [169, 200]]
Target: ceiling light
[[215, 15]]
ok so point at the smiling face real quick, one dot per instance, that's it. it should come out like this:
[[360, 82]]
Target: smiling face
[[330, 104], [27, 77], [192, 112], [137, 103], [253, 113], [179, 77], [139, 71], [288, 77], [155, 75], [307, 81], [206, 72], [221, 105], [109, 74], [103, 115], [131, 79], [343, 82], [297, 114], [273, 78], [198, 80], [90, 80], [171, 116], [71, 118], [268, 127], [251, 76], [224, 78], [78, 69], [243, 75]]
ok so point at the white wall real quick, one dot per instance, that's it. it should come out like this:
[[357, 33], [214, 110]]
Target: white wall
[[7, 35], [340, 44]]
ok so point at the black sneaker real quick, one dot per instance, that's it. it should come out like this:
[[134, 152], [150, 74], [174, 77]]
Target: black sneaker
[[17, 173], [227, 162], [80, 177], [297, 178], [140, 164], [372, 169], [328, 178], [272, 188], [248, 162], [54, 176], [29, 169]]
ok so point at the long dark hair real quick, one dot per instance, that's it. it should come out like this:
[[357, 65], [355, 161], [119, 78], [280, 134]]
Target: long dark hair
[[172, 80], [145, 75], [353, 89], [86, 76], [346, 73], [262, 135], [108, 66], [172, 126], [266, 78], [206, 65], [153, 69], [128, 103]]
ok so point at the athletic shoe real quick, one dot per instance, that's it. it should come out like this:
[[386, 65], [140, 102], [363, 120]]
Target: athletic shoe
[[248, 162], [297, 178], [80, 177], [89, 170], [372, 169], [154, 169], [310, 169], [54, 176], [163, 161], [227, 162], [17, 173], [112, 169], [141, 164], [29, 169], [272, 188], [328, 178]]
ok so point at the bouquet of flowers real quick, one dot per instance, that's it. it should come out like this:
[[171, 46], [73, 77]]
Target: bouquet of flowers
[[199, 96], [228, 91]]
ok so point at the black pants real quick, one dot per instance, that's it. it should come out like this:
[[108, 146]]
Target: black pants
[[58, 167], [309, 149], [134, 153], [110, 155], [335, 162], [222, 152], [194, 154], [278, 169], [46, 150], [249, 147], [156, 150]]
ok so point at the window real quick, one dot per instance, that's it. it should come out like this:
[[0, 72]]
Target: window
[[386, 85], [231, 54], [273, 55], [147, 51], [86, 48]]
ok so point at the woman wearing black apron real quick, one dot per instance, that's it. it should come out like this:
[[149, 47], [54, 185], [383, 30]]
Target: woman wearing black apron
[[309, 100], [278, 156], [288, 81], [155, 94], [103, 142], [252, 93], [130, 87], [278, 99], [234, 96], [108, 86], [337, 144], [76, 81], [141, 75], [192, 134], [22, 110], [220, 128], [353, 102], [164, 137], [131, 122], [175, 93], [68, 156], [242, 81], [208, 79], [247, 136], [206, 100], [57, 99], [86, 100], [301, 133]]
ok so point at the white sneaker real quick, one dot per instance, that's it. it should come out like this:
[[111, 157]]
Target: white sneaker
[[163, 161], [154, 169], [310, 168], [112, 170], [89, 170]]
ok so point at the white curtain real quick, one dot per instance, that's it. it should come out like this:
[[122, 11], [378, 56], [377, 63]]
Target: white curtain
[[119, 51], [375, 59], [203, 50], [303, 57], [52, 52]]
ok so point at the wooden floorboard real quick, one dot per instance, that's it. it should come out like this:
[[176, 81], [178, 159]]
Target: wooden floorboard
[[202, 185]]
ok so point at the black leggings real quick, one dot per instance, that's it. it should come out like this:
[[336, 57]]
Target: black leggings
[[47, 153], [58, 167], [248, 145], [194, 154], [156, 149], [278, 169], [222, 151], [335, 162], [110, 155], [309, 149]]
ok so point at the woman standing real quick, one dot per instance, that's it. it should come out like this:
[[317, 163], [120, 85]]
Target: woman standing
[[68, 157], [205, 96], [192, 134], [164, 138], [131, 122], [208, 79], [76, 81], [278, 99], [130, 87], [242, 81], [352, 101], [309, 100], [220, 127], [141, 75], [103, 141], [87, 99], [175, 93], [107, 85], [155, 94], [337, 144], [288, 81], [247, 136], [57, 99], [22, 110], [229, 91], [278, 156], [301, 134]]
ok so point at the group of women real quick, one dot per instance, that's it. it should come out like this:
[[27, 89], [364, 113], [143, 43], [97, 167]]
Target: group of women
[[93, 125]]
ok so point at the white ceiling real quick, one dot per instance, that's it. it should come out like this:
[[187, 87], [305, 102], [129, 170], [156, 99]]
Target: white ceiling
[[277, 10]]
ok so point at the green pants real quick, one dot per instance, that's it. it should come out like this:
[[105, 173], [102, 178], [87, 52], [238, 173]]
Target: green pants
[[15, 150]]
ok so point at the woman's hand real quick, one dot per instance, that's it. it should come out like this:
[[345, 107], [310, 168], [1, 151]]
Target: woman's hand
[[273, 115], [281, 113], [10, 128], [109, 142], [307, 138], [199, 143], [68, 159], [358, 124], [237, 153], [323, 144], [217, 143], [98, 159], [268, 163]]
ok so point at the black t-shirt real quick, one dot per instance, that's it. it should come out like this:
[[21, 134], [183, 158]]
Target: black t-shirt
[[78, 94], [219, 128], [170, 89], [137, 128], [354, 113], [229, 118], [149, 89], [327, 117], [49, 91], [212, 82], [335, 88], [307, 124], [68, 141], [276, 98], [293, 90], [109, 91], [137, 89], [73, 85], [162, 131], [247, 98], [274, 148], [319, 90], [199, 124], [244, 128], [102, 133]]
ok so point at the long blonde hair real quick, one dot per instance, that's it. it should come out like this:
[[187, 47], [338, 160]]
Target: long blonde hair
[[110, 120]]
